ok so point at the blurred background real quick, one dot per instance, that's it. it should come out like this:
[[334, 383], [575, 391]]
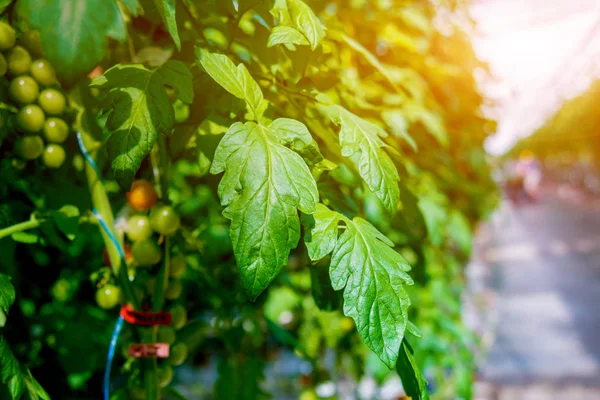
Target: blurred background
[[534, 284]]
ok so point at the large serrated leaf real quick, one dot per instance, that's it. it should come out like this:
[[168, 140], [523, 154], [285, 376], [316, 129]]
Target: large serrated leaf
[[372, 274], [362, 142], [235, 79], [140, 110], [264, 186], [73, 32]]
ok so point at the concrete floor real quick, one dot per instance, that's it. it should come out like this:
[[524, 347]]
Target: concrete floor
[[540, 264]]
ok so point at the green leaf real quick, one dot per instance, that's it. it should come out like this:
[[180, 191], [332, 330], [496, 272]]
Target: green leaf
[[139, 110], [166, 9], [286, 35], [73, 33], [306, 22], [295, 135], [67, 220], [371, 59], [25, 237], [133, 6], [4, 4], [264, 185], [178, 76], [459, 231], [325, 297], [236, 80], [434, 216], [413, 382], [373, 277], [361, 140], [7, 293], [398, 125], [16, 380]]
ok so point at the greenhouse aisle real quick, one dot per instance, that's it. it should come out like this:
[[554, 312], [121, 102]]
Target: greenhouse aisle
[[538, 269]]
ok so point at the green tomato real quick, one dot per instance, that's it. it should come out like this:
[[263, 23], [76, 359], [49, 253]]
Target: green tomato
[[164, 376], [108, 296], [32, 41], [3, 65], [138, 228], [8, 36], [3, 319], [174, 289], [164, 220], [52, 101], [19, 61], [42, 71], [177, 266], [29, 147], [54, 156], [178, 316], [308, 394], [178, 354], [31, 118], [24, 89], [61, 289], [166, 334], [56, 130], [146, 252]]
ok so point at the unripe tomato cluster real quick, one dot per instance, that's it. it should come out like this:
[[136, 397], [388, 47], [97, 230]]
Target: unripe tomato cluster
[[35, 91], [145, 229]]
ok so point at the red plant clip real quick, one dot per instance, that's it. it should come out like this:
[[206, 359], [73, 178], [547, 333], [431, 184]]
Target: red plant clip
[[149, 350], [145, 318]]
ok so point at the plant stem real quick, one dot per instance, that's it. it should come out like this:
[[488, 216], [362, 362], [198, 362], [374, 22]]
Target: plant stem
[[20, 227], [102, 204]]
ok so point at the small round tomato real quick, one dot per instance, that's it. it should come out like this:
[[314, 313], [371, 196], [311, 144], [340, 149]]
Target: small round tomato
[[29, 147], [7, 36], [178, 316], [32, 41], [146, 252], [308, 394], [164, 220], [174, 289], [52, 101], [3, 65], [24, 89], [347, 324], [19, 61], [61, 289], [54, 156], [108, 296], [31, 118], [177, 266], [42, 71], [178, 354], [164, 376], [2, 318], [141, 196], [166, 334], [56, 130], [138, 228]]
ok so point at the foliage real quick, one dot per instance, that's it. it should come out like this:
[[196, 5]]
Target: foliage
[[318, 169]]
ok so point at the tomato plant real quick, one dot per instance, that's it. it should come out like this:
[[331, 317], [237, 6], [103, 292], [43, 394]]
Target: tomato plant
[[279, 177]]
